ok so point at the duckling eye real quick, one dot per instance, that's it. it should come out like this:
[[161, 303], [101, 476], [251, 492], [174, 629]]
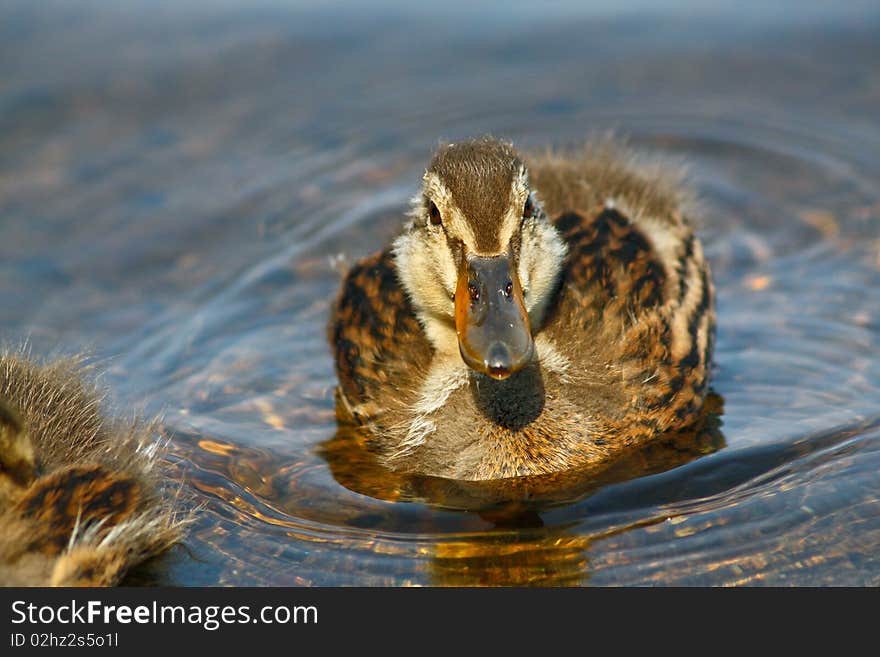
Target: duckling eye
[[434, 214], [528, 208]]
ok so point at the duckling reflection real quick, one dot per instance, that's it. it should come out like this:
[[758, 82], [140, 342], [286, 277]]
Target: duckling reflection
[[518, 549], [514, 556]]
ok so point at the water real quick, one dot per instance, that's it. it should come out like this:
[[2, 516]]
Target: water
[[181, 185]]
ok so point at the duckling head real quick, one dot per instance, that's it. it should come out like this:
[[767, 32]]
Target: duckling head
[[480, 260]]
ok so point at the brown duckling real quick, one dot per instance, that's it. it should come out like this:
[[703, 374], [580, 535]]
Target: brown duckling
[[537, 314], [80, 500]]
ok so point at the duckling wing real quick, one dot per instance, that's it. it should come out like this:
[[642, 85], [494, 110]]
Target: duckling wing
[[640, 294], [378, 343], [613, 263]]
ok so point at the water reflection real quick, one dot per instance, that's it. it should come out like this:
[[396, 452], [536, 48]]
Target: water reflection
[[517, 548]]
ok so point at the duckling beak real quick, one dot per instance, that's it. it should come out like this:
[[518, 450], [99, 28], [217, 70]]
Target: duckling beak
[[494, 335]]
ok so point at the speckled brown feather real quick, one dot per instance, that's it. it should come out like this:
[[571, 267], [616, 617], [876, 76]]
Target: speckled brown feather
[[618, 291], [377, 340], [633, 316], [80, 503]]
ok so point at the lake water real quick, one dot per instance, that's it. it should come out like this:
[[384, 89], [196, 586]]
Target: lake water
[[181, 184]]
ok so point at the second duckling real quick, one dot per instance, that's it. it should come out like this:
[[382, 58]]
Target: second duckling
[[80, 499]]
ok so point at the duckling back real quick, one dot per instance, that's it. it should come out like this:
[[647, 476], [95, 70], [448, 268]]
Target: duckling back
[[80, 502]]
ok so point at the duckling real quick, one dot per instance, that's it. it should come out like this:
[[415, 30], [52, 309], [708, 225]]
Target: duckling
[[538, 313], [80, 501]]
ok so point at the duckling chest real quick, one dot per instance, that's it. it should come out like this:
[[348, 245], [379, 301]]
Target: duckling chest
[[481, 428]]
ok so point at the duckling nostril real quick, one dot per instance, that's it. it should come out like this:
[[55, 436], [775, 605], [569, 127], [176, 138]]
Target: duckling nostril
[[508, 289], [473, 292]]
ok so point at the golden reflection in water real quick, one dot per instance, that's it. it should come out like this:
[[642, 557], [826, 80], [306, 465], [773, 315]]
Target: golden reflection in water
[[519, 549], [462, 533], [513, 556]]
